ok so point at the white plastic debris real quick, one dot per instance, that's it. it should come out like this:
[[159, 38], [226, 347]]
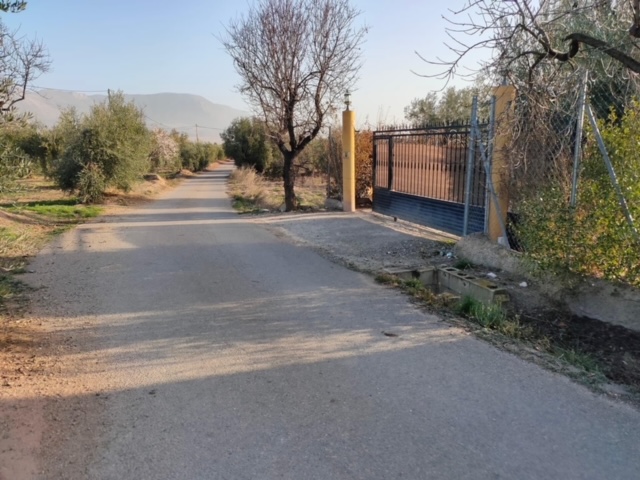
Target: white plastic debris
[[449, 255], [524, 284], [492, 275]]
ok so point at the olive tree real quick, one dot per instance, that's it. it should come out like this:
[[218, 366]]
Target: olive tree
[[526, 34], [296, 59]]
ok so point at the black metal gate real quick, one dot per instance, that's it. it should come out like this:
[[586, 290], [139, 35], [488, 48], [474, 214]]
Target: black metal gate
[[420, 175]]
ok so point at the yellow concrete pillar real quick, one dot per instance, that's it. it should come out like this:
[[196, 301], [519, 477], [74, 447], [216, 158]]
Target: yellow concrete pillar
[[505, 95], [348, 160]]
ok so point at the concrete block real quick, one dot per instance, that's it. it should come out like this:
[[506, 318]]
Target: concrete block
[[427, 275], [453, 281], [456, 281]]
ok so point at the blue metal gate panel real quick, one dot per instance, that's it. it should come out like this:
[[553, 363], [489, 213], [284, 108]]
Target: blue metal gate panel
[[445, 216]]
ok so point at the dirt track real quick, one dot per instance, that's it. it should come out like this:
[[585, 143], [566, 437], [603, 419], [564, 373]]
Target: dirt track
[[186, 342]]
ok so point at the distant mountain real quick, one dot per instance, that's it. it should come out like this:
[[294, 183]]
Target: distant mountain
[[181, 111]]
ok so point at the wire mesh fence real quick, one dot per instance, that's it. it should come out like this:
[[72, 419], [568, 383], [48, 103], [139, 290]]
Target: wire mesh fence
[[574, 177]]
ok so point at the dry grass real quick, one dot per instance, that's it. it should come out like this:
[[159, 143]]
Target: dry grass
[[252, 193], [37, 210]]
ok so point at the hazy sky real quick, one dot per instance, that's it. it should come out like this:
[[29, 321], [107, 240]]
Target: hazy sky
[[145, 46]]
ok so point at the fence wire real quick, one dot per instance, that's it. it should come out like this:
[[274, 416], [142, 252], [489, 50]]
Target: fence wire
[[574, 185]]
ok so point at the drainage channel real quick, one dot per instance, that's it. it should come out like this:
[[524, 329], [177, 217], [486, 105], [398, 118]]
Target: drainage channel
[[454, 281]]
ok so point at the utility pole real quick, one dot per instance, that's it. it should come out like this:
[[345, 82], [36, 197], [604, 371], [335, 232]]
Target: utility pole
[[197, 138]]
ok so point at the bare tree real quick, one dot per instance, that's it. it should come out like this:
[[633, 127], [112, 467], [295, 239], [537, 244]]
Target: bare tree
[[22, 60], [296, 59], [523, 34]]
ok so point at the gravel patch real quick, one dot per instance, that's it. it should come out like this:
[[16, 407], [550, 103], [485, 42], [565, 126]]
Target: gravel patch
[[364, 241]]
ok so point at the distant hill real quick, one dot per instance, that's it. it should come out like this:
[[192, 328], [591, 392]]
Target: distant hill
[[181, 111]]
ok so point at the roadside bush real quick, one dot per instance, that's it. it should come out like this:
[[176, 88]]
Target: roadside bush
[[245, 141], [113, 137], [14, 164], [197, 156], [22, 147], [165, 152], [313, 159], [274, 166], [58, 138], [364, 164], [595, 238], [92, 184]]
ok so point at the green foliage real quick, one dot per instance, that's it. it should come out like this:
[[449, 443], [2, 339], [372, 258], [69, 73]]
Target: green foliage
[[245, 141], [92, 183], [27, 137], [113, 139], [364, 164], [244, 205], [274, 168], [62, 135], [386, 279], [451, 105], [595, 239], [13, 6], [21, 145], [493, 317], [463, 264], [59, 209], [14, 164], [489, 316], [578, 359], [196, 156], [313, 159]]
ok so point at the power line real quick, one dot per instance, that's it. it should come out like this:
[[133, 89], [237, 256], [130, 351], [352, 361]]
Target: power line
[[155, 121]]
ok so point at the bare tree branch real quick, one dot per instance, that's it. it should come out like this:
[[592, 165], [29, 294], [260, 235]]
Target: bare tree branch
[[21, 61], [516, 30], [296, 59]]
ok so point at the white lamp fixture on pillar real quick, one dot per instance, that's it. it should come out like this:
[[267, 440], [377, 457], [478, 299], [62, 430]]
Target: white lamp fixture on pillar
[[347, 99]]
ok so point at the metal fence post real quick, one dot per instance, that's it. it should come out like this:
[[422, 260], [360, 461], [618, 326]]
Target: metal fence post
[[470, 166], [374, 164], [492, 133], [578, 145], [390, 177], [612, 174]]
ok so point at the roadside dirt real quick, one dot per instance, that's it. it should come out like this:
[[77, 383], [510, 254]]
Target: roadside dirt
[[40, 398]]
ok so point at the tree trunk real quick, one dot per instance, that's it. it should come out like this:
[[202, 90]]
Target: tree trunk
[[287, 175]]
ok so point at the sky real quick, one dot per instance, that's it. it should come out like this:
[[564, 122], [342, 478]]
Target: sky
[[145, 46]]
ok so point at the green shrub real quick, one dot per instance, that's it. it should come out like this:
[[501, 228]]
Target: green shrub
[[246, 142], [594, 239], [114, 138], [14, 164], [91, 183], [197, 156]]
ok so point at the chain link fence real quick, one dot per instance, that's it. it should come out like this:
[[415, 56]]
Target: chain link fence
[[574, 176]]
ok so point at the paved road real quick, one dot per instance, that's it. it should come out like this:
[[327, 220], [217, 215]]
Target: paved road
[[215, 350]]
